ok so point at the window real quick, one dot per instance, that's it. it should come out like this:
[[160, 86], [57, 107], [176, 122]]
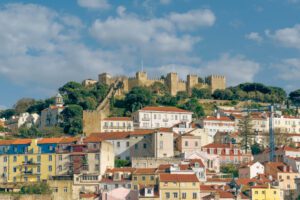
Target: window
[[105, 187], [152, 178], [149, 191], [183, 195], [196, 144], [60, 157], [143, 178], [50, 168], [194, 195], [161, 144], [145, 146], [15, 169], [15, 179], [135, 178], [55, 189], [26, 179], [135, 187], [5, 159], [118, 144], [186, 143], [60, 168], [50, 158], [26, 159], [256, 192], [167, 195], [97, 167], [175, 194], [274, 192], [288, 186], [127, 144], [15, 158], [263, 192], [136, 146], [116, 185], [288, 177], [38, 178], [38, 158], [4, 169], [65, 189], [38, 169], [97, 156], [50, 148]]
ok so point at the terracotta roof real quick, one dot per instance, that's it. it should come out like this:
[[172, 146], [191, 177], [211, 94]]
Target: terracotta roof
[[225, 180], [117, 119], [145, 171], [244, 181], [164, 109], [49, 140], [89, 195], [178, 178], [6, 142], [216, 145], [221, 118], [165, 130], [122, 169], [199, 161], [111, 135], [92, 139], [226, 195], [22, 141], [142, 131]]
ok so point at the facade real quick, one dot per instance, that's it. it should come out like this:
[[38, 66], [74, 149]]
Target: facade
[[266, 192], [151, 117], [228, 153], [216, 124], [188, 143], [251, 170], [116, 124], [172, 80], [179, 186], [50, 116]]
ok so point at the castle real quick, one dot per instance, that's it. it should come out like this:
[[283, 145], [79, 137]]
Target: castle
[[172, 81]]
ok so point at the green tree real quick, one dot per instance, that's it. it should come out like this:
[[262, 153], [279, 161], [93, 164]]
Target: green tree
[[122, 163], [245, 128], [159, 88], [137, 98], [8, 113], [40, 105], [204, 93], [23, 104], [295, 96], [31, 132], [182, 95], [36, 188], [72, 119], [230, 169], [167, 100], [256, 149], [194, 106], [223, 94]]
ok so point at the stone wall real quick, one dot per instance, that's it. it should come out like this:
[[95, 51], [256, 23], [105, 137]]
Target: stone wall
[[25, 197]]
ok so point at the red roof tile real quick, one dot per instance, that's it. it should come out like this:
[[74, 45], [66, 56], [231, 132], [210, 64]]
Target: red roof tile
[[6, 142], [221, 118], [178, 178], [22, 141], [117, 119], [164, 109], [145, 171], [49, 140]]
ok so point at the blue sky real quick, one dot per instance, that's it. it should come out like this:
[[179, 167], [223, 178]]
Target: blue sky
[[47, 43]]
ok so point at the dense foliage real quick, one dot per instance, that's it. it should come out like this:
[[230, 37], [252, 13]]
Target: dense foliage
[[36, 188], [72, 119], [230, 169], [122, 163]]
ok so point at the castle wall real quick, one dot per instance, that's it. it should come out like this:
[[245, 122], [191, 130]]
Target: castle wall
[[181, 86], [192, 81], [91, 121], [216, 82]]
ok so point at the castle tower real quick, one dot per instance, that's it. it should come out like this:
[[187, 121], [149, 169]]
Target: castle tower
[[192, 81], [105, 78], [59, 101], [141, 76], [172, 83], [216, 82]]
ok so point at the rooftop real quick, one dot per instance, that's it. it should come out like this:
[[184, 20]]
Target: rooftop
[[164, 109], [178, 178]]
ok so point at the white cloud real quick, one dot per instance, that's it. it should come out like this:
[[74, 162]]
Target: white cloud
[[193, 19], [288, 37], [254, 36], [94, 4], [41, 48], [289, 69], [165, 2]]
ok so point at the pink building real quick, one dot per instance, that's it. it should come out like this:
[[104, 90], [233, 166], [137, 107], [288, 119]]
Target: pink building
[[228, 153], [120, 193], [188, 143]]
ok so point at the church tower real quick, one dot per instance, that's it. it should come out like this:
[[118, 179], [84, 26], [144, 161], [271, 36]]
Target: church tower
[[59, 101]]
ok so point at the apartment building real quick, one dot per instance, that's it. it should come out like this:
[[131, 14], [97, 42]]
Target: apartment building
[[116, 124], [160, 117], [251, 170], [188, 143]]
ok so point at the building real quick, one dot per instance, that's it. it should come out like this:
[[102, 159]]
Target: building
[[251, 170], [61, 186], [142, 177], [214, 124], [188, 143], [50, 116], [120, 193], [172, 80], [228, 153], [151, 117], [179, 186], [116, 124], [24, 119], [266, 192]]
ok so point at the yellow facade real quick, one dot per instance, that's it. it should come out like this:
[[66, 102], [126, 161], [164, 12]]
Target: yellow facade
[[31, 166], [265, 193], [179, 190], [144, 177]]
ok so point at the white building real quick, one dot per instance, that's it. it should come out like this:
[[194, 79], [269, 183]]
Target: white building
[[50, 116], [25, 119], [160, 117], [214, 124], [251, 170], [116, 124]]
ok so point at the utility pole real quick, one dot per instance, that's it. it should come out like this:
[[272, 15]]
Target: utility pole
[[271, 132]]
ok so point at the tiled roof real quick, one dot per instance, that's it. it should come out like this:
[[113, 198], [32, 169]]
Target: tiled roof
[[145, 171], [164, 109], [92, 139], [68, 140], [49, 140], [216, 145], [165, 130], [117, 119], [22, 141], [122, 169], [111, 135], [142, 131], [178, 178], [6, 142], [226, 195], [199, 161], [221, 118]]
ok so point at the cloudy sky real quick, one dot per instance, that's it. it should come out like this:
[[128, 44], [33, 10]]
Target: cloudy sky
[[44, 44]]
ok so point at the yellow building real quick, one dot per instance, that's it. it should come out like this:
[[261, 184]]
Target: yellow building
[[179, 186], [144, 176], [265, 193]]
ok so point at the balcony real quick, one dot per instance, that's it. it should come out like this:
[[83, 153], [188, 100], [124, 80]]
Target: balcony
[[30, 172], [31, 162], [145, 119]]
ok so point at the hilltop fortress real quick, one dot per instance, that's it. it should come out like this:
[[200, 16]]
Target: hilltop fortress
[[172, 81]]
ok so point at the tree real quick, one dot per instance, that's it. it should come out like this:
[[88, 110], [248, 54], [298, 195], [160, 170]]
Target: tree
[[194, 106], [159, 88], [23, 104], [8, 113], [230, 169], [40, 105], [122, 163], [167, 100], [256, 149], [31, 132], [223, 94], [36, 188], [182, 95], [245, 128], [204, 93], [295, 96], [72, 119], [138, 98]]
